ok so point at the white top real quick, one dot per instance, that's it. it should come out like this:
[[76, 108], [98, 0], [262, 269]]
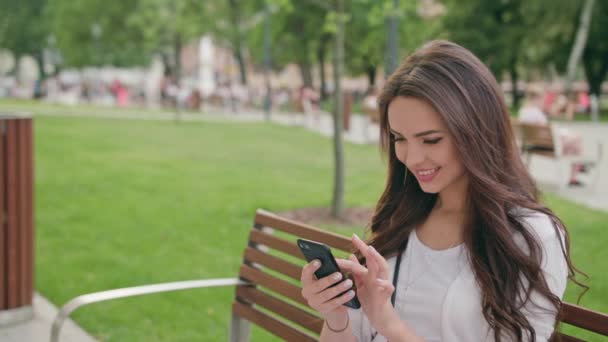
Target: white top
[[443, 300], [532, 115]]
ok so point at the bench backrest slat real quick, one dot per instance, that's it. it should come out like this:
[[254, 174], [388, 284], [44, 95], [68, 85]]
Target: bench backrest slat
[[567, 338], [263, 238], [271, 324], [285, 267], [302, 317], [302, 230], [585, 318], [272, 283]]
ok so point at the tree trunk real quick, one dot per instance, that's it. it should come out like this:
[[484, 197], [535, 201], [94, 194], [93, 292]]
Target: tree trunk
[[392, 41], [514, 79], [177, 45], [267, 62], [238, 54], [579, 43], [321, 53], [595, 73], [177, 50], [306, 73], [39, 55], [370, 70], [235, 16], [337, 206]]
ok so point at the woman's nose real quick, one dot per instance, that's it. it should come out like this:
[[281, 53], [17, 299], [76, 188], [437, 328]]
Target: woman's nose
[[414, 156]]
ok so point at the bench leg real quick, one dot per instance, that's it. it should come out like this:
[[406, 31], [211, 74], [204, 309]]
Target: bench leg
[[240, 329]]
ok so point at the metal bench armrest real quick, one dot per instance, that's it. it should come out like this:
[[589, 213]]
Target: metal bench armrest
[[102, 296]]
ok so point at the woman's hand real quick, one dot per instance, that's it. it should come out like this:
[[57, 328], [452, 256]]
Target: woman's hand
[[374, 289], [324, 298]]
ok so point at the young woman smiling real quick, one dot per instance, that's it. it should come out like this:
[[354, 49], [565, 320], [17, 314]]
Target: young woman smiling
[[460, 247]]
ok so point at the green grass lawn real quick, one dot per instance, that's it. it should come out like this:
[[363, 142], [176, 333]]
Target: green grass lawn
[[122, 203]]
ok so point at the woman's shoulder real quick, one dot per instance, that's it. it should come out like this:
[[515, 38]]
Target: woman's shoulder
[[539, 224]]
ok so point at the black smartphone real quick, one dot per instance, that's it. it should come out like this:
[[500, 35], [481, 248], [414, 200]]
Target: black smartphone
[[314, 250]]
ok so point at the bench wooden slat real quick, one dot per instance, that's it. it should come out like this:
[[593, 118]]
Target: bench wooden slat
[[277, 243], [585, 318], [269, 323], [3, 280], [275, 284], [568, 338], [22, 209], [11, 213], [292, 270], [302, 230], [283, 309], [29, 211]]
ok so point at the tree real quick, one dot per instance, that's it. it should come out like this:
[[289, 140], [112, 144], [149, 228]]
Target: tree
[[29, 38], [556, 43], [167, 25], [579, 42], [96, 32], [297, 27], [392, 40], [337, 206], [493, 30], [366, 33], [595, 56]]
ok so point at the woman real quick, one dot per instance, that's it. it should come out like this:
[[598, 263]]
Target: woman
[[477, 256]]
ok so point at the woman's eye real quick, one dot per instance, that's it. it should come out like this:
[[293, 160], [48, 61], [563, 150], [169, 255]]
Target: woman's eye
[[432, 141], [398, 139]]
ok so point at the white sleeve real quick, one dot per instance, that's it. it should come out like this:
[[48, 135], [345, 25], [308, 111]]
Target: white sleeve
[[359, 325], [539, 311]]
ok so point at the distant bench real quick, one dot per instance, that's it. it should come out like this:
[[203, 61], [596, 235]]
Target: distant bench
[[542, 140], [275, 303]]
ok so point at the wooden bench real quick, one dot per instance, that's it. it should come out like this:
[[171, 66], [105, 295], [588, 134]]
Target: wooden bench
[[534, 139], [273, 302], [16, 218]]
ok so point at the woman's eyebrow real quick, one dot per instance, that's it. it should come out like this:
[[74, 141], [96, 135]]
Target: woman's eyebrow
[[417, 135]]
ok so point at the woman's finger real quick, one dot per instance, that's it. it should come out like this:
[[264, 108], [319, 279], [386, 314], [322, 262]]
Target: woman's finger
[[385, 286], [336, 302], [358, 277], [351, 267], [360, 245], [308, 271], [334, 291], [372, 265], [381, 264]]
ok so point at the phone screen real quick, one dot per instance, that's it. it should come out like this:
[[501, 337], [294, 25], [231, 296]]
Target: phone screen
[[314, 250]]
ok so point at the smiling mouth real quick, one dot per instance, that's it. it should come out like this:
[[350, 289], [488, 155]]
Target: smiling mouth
[[427, 172]]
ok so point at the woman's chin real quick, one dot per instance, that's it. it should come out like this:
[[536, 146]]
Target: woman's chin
[[430, 190]]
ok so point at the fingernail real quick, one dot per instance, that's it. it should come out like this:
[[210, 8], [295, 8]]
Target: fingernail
[[355, 236], [351, 293], [370, 248], [337, 276], [316, 263], [348, 283]]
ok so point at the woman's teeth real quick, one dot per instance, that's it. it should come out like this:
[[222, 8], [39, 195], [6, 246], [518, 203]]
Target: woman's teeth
[[428, 172]]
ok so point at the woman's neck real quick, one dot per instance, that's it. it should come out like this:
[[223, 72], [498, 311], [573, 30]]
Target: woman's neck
[[453, 199]]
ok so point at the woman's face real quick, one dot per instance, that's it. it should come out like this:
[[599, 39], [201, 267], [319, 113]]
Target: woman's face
[[424, 144]]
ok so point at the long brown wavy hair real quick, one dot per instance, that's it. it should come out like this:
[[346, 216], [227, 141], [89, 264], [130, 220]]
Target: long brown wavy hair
[[466, 95]]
